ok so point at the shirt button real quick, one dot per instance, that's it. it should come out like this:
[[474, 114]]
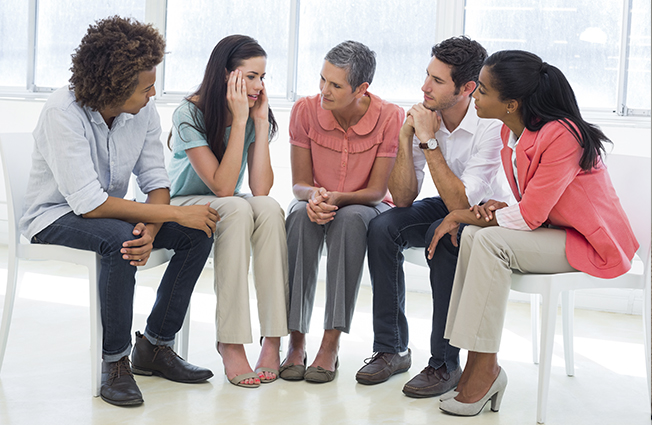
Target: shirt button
[[346, 150]]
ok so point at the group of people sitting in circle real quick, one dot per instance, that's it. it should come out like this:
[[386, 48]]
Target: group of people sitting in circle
[[357, 169]]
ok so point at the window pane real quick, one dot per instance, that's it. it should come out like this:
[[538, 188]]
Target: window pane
[[638, 77], [401, 36], [14, 20], [194, 27], [62, 24], [580, 37]]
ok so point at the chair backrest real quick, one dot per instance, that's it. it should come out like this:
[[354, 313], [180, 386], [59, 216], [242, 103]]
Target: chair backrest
[[630, 176], [16, 152]]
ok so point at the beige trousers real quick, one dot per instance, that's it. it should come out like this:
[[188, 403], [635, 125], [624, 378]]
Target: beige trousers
[[249, 225], [483, 279]]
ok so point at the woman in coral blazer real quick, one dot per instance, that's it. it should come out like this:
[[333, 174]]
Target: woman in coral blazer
[[567, 216]]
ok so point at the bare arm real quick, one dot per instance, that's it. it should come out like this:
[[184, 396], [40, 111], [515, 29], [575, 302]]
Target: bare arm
[[449, 186], [261, 175], [221, 177], [451, 224], [375, 191], [403, 184], [201, 217]]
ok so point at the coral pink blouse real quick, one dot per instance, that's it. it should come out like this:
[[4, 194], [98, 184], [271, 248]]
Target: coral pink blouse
[[342, 160]]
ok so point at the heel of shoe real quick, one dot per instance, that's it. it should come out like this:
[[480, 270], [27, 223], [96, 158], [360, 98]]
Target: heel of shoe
[[497, 398], [138, 371]]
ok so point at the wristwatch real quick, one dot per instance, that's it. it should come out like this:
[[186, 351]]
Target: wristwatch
[[431, 144]]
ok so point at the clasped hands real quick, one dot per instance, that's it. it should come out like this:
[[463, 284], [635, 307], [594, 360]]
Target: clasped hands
[[483, 214], [321, 206]]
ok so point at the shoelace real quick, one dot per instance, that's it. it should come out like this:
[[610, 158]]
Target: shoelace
[[374, 357], [167, 352], [121, 367]]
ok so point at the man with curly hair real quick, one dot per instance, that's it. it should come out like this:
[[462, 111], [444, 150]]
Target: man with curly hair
[[463, 155], [90, 138]]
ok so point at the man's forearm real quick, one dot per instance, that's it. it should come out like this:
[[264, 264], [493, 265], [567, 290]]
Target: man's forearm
[[450, 188], [135, 212], [403, 183]]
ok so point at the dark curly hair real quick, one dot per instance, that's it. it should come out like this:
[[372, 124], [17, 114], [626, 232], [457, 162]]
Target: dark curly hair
[[106, 64], [464, 55]]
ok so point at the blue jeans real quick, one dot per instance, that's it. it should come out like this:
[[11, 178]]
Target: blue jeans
[[118, 278], [389, 234]]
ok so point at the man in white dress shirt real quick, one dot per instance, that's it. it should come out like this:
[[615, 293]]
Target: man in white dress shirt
[[463, 155]]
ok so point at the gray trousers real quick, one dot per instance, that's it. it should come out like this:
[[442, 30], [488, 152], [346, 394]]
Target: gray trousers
[[346, 243]]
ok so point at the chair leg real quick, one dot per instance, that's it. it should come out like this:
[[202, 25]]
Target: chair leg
[[96, 328], [181, 341], [548, 320], [10, 299], [534, 313], [567, 311], [647, 322]]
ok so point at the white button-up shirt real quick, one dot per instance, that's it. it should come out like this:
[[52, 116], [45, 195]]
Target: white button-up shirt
[[472, 152]]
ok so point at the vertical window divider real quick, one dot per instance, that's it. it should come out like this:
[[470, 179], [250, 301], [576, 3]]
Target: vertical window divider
[[621, 108], [293, 50], [156, 14], [450, 19], [31, 47]]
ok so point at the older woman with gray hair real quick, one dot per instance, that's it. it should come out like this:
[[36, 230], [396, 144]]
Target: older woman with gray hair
[[344, 143]]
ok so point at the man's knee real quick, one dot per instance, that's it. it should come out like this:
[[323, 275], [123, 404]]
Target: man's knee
[[381, 229]]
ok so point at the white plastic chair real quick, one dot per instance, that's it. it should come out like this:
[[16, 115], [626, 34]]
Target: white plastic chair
[[16, 152], [631, 178]]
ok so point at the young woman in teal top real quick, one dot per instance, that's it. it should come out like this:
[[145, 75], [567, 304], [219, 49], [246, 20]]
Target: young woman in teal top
[[220, 131]]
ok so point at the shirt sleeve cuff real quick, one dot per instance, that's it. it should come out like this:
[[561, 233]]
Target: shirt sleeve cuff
[[511, 218]]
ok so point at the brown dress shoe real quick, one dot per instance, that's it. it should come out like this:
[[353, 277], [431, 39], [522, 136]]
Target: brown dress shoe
[[118, 384], [161, 360], [381, 366], [431, 382]]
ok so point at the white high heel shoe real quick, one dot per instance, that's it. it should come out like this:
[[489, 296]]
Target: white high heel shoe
[[451, 394], [495, 394]]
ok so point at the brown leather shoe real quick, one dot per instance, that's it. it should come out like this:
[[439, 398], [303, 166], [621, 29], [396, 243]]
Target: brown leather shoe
[[381, 366], [431, 382], [118, 384], [161, 360]]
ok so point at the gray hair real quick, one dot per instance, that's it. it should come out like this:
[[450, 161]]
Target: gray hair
[[357, 59]]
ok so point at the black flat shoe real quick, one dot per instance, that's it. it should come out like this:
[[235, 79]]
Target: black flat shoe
[[118, 384], [161, 360]]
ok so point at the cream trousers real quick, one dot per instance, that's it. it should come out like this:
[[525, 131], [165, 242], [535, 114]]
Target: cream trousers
[[483, 279], [249, 225]]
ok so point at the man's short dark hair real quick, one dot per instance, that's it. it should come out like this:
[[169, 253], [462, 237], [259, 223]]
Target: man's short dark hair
[[106, 65], [464, 55]]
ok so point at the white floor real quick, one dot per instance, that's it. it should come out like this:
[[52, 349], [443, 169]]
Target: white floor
[[45, 377]]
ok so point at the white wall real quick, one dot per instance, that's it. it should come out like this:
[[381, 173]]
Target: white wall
[[630, 137]]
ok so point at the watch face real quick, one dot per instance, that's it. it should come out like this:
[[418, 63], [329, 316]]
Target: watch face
[[432, 144]]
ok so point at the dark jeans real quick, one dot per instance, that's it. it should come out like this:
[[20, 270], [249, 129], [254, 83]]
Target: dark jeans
[[389, 234], [117, 277]]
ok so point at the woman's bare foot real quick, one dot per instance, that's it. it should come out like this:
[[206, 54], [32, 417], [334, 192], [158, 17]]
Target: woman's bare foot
[[482, 372], [470, 358], [296, 349], [327, 355], [235, 362], [269, 357]]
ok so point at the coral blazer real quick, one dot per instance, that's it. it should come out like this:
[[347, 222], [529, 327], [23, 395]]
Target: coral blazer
[[555, 190]]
